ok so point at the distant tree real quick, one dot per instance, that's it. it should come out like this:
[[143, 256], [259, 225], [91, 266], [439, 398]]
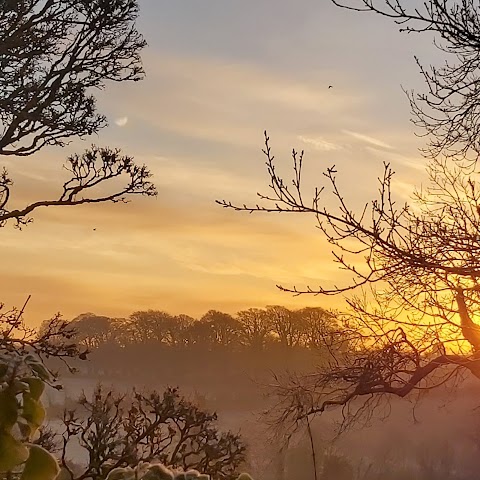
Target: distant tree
[[286, 324], [201, 334], [180, 333], [153, 326], [319, 327], [225, 329], [93, 331], [117, 431], [307, 328], [256, 327]]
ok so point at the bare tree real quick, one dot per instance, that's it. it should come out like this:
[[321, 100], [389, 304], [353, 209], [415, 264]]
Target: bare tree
[[225, 329], [116, 432], [319, 327], [286, 324], [255, 327], [449, 111], [416, 272], [92, 331], [52, 53], [17, 339], [153, 326]]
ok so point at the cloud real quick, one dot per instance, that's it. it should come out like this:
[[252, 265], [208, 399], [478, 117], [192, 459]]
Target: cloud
[[318, 143], [231, 102], [370, 140], [121, 121], [184, 175], [403, 162]]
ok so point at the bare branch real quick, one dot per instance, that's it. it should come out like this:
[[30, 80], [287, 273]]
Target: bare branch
[[90, 173]]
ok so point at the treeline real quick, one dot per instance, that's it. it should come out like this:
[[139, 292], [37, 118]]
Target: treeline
[[221, 357], [254, 328]]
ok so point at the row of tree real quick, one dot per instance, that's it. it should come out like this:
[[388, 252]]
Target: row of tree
[[253, 328]]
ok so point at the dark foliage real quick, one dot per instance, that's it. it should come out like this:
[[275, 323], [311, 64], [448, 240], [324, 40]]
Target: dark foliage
[[117, 431], [52, 53]]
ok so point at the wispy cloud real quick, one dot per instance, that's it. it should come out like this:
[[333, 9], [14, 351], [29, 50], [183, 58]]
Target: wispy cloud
[[319, 143], [400, 161], [367, 139], [231, 102]]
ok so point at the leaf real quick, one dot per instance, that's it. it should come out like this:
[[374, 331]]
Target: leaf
[[157, 471], [40, 465], [40, 370], [12, 452], [37, 386], [244, 476], [19, 386], [33, 412], [8, 409], [64, 474], [120, 473]]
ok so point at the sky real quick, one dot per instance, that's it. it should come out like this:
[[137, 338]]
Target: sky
[[218, 73]]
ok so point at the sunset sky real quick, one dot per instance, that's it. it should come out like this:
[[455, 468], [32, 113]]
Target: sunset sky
[[219, 73]]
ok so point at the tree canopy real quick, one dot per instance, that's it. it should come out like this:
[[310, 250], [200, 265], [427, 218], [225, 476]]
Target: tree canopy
[[252, 328], [52, 53]]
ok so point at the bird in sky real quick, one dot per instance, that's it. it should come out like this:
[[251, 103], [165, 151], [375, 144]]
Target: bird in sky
[[330, 86]]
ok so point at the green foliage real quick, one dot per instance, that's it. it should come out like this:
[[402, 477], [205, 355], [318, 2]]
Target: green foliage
[[12, 451], [244, 476], [22, 381], [40, 465], [158, 471]]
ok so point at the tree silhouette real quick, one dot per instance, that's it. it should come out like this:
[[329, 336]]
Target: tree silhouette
[[255, 327], [416, 270], [449, 111], [414, 288], [287, 325], [116, 431], [307, 328], [53, 55], [225, 329], [152, 326]]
